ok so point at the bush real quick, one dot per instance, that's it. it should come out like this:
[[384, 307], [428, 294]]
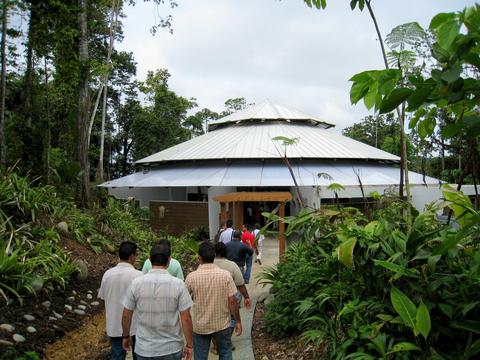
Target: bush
[[376, 290]]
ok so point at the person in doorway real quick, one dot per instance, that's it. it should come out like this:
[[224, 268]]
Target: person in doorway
[[216, 239], [114, 286], [238, 251], [258, 243], [248, 239], [213, 292], [250, 214], [161, 303], [174, 267], [226, 235]]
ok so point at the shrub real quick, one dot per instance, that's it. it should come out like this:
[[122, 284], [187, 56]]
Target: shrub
[[373, 290]]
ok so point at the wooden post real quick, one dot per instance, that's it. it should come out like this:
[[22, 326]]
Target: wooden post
[[237, 214], [223, 213], [281, 233]]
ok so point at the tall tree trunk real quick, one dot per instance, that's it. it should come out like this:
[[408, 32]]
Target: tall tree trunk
[[83, 103], [3, 86], [113, 21], [401, 116], [48, 137]]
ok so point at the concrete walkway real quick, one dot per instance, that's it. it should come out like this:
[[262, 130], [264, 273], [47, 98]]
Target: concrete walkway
[[243, 343]]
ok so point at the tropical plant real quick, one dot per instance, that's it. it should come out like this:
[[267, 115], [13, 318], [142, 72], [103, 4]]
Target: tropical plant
[[367, 289]]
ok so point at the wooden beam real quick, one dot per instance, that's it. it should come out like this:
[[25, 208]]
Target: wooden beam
[[237, 215], [280, 196], [282, 243], [223, 213]]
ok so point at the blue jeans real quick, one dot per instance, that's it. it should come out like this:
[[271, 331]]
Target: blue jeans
[[117, 350], [248, 270], [223, 338], [174, 356]]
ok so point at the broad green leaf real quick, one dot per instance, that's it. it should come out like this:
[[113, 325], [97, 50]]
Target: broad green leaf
[[452, 73], [400, 239], [446, 309], [397, 269], [345, 252], [385, 317], [468, 325], [371, 96], [447, 32], [422, 320], [418, 97], [472, 123], [461, 205], [403, 346], [441, 54], [394, 99], [358, 91], [426, 127], [468, 307], [451, 130], [372, 227], [404, 307], [439, 19]]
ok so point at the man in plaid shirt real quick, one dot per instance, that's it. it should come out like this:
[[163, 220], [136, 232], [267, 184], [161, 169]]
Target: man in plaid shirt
[[213, 293]]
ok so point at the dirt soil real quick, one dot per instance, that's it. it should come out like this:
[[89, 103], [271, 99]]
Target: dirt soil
[[266, 347], [88, 341]]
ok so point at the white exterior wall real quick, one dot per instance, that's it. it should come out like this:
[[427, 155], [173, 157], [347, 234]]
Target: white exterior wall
[[421, 194], [145, 195], [214, 207]]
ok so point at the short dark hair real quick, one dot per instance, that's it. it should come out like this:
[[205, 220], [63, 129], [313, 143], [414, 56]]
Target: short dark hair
[[237, 234], [206, 252], [126, 249], [221, 249], [229, 223], [160, 253], [257, 226]]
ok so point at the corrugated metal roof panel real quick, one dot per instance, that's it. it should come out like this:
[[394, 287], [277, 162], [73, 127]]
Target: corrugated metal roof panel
[[268, 174], [269, 111], [254, 141]]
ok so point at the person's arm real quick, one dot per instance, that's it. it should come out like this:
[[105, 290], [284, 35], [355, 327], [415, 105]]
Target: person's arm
[[126, 322], [187, 327], [243, 290], [233, 307], [248, 250]]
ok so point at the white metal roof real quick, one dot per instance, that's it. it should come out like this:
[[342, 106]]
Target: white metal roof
[[259, 173], [254, 141], [269, 111]]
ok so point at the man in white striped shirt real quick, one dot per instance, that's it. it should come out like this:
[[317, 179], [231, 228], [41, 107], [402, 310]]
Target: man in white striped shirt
[[161, 302]]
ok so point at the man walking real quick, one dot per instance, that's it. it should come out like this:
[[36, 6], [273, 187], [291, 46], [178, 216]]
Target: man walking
[[113, 288], [174, 267], [238, 251], [161, 302], [259, 243], [213, 292], [226, 235]]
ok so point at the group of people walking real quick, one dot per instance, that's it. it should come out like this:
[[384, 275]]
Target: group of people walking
[[159, 316], [241, 246]]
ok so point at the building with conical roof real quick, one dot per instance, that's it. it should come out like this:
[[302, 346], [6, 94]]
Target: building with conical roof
[[246, 153]]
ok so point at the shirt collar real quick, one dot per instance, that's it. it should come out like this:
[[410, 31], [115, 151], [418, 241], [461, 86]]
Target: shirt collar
[[208, 266], [160, 271], [124, 264]]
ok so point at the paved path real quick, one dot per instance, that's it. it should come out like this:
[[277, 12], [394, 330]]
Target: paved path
[[243, 343]]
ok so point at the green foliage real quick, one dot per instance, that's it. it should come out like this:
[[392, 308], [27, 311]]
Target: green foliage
[[448, 85], [369, 289]]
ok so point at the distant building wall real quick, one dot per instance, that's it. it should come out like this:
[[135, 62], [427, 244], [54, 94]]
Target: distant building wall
[[176, 217]]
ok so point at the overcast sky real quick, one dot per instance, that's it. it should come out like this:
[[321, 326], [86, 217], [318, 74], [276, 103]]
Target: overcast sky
[[280, 51]]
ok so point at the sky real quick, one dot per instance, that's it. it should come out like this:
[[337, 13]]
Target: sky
[[281, 51]]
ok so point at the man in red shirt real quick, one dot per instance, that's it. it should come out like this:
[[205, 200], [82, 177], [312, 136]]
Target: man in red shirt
[[248, 239]]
